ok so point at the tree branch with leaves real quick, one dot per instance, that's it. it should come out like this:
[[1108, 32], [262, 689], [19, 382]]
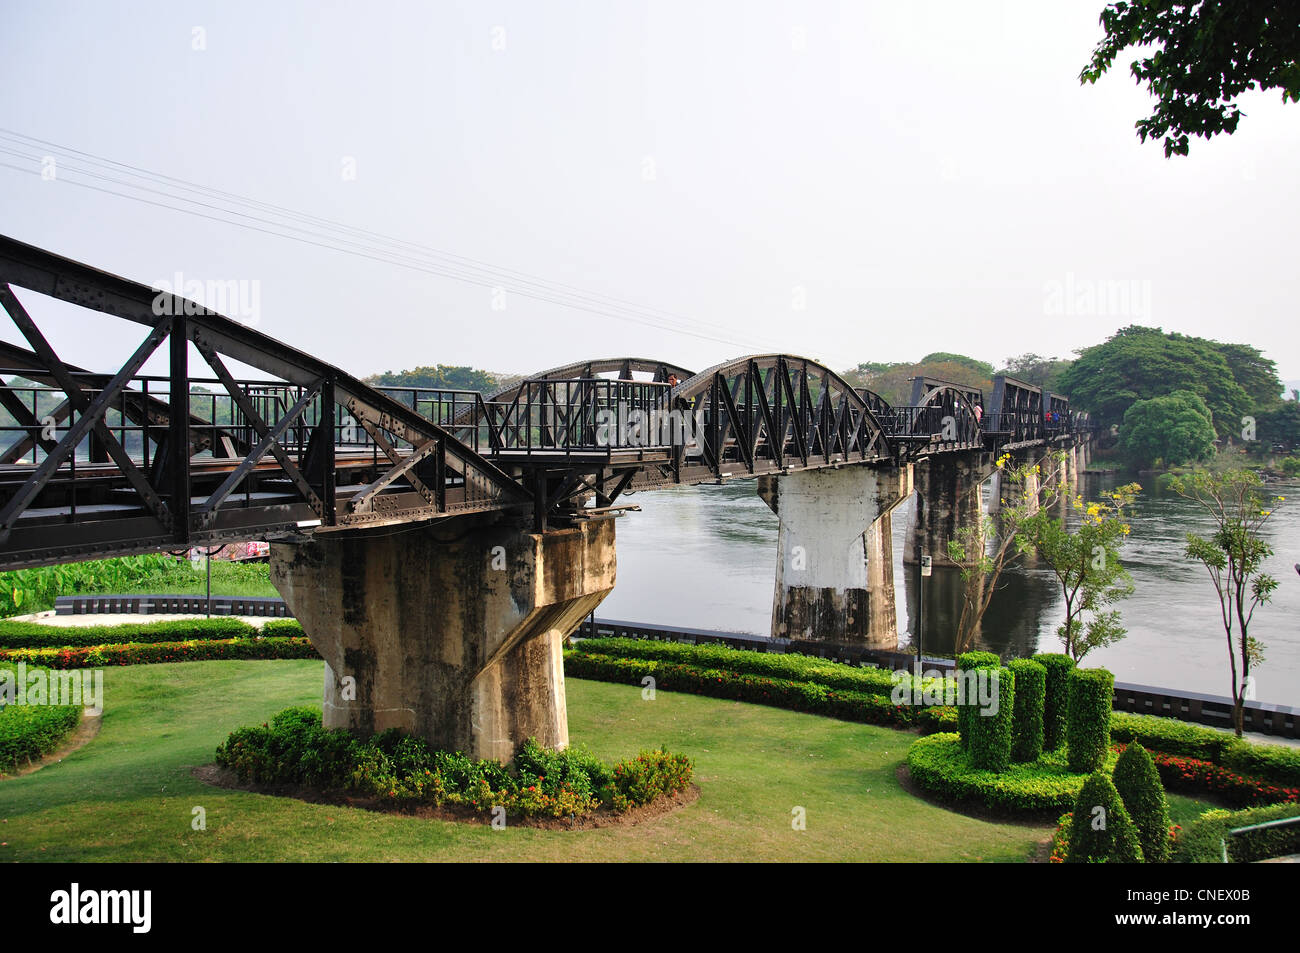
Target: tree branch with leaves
[[1234, 555]]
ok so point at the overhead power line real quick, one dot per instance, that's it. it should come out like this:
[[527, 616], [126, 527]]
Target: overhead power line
[[216, 205]]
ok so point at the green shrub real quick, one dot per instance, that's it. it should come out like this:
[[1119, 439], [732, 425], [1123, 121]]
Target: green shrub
[[17, 635], [1027, 720], [1101, 830], [144, 653], [1143, 795], [969, 661], [1204, 839], [28, 732], [1279, 764], [798, 668], [989, 739], [810, 697], [1056, 700], [293, 748], [938, 765], [282, 627], [1088, 724], [937, 718]]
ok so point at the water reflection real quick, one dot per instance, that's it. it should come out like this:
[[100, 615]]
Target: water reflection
[[706, 557]]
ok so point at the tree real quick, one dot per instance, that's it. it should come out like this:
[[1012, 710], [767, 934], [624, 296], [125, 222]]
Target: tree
[[986, 548], [1234, 554], [1138, 363], [1253, 372], [1035, 369], [1174, 430], [1206, 55], [1087, 567], [443, 376], [1280, 427]]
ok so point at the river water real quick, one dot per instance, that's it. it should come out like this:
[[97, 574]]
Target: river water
[[706, 557]]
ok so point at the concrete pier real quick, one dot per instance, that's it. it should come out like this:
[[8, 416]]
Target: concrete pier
[[947, 499], [453, 636], [834, 576]]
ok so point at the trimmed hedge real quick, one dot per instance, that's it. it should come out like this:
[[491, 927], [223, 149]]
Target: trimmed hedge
[[1027, 721], [1056, 700], [989, 734], [138, 653], [289, 628], [20, 635], [28, 732], [1087, 735], [969, 661], [1204, 839], [1277, 763], [1138, 783], [1097, 837], [939, 766], [740, 686], [797, 668]]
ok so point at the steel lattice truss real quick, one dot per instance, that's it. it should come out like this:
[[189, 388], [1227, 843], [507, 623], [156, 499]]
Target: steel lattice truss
[[96, 463]]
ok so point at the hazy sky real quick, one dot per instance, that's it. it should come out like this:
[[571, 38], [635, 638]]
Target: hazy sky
[[850, 182]]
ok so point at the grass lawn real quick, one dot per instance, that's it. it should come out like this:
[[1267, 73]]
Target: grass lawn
[[128, 795]]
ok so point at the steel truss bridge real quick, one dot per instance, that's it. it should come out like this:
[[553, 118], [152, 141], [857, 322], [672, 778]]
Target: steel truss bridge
[[96, 463]]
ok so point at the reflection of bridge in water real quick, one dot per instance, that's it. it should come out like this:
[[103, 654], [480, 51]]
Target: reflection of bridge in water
[[438, 545]]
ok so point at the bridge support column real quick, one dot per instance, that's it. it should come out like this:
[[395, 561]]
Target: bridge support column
[[834, 571], [947, 499], [457, 642]]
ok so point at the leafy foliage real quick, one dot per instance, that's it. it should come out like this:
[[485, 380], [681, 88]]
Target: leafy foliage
[[1170, 430], [1087, 567], [441, 376], [1206, 55], [1233, 555], [989, 729], [938, 764], [28, 732], [1138, 363], [1138, 784], [1204, 840], [1101, 830], [294, 748], [1056, 698], [1087, 732], [1027, 727]]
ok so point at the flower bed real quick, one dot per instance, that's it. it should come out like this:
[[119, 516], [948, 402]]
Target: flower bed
[[136, 653], [397, 769]]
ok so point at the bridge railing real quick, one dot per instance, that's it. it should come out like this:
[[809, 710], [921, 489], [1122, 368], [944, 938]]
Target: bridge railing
[[589, 416]]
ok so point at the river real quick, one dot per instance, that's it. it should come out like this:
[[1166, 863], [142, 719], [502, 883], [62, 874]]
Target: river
[[706, 557]]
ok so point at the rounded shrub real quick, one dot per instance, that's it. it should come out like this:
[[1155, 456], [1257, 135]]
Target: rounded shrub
[[968, 662], [1101, 830], [1138, 783], [990, 726], [1087, 729], [1027, 719], [940, 767], [1056, 700]]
